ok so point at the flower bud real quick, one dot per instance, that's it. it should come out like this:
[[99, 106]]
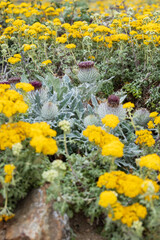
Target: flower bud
[[49, 111], [87, 72], [91, 120], [65, 126]]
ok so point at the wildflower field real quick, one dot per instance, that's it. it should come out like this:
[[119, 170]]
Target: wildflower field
[[79, 110]]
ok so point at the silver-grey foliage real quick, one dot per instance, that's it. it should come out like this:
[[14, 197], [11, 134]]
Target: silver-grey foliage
[[105, 109]]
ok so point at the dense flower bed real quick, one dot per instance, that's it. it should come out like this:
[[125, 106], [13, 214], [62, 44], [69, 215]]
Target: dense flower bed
[[69, 66]]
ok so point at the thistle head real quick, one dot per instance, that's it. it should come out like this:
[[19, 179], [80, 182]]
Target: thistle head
[[49, 111], [86, 64], [4, 82], [141, 117], [87, 72], [113, 101], [91, 120], [36, 84]]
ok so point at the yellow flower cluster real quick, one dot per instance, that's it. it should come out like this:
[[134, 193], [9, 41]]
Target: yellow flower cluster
[[151, 161], [40, 133], [111, 145], [127, 184], [107, 198], [128, 105], [131, 186], [153, 114], [150, 125], [11, 102], [155, 121], [46, 62], [8, 169], [6, 217], [70, 46], [110, 120], [142, 26], [145, 138], [27, 87], [128, 214], [114, 148], [29, 47], [16, 58], [12, 133]]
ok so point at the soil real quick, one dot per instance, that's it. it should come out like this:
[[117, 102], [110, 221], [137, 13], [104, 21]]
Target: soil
[[82, 230]]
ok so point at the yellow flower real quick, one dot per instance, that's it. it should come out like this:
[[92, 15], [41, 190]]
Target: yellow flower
[[151, 161], [128, 105], [26, 47], [127, 184], [133, 213], [46, 62], [114, 148], [13, 60], [149, 186], [41, 128], [12, 102], [153, 114], [157, 120], [145, 137], [8, 169], [4, 86], [110, 120], [107, 198], [150, 125], [17, 55], [44, 37], [70, 46], [117, 211], [8, 178], [99, 136], [27, 87], [61, 39], [43, 144]]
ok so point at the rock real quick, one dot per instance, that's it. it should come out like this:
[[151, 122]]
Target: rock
[[36, 220]]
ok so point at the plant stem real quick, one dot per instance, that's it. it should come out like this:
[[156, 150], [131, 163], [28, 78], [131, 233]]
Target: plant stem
[[65, 144]]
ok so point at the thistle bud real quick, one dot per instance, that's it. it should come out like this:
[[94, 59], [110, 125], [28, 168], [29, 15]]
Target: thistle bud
[[87, 72], [36, 84], [141, 117], [91, 120], [112, 106], [49, 111], [113, 101]]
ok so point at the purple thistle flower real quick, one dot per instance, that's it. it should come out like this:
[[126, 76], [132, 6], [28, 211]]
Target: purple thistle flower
[[36, 84]]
